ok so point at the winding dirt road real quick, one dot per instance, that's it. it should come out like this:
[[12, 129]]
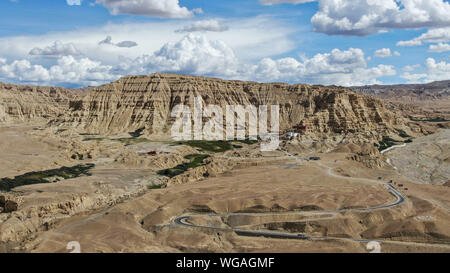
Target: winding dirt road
[[184, 220]]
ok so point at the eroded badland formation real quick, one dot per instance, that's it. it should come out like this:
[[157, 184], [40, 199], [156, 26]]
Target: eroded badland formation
[[99, 167]]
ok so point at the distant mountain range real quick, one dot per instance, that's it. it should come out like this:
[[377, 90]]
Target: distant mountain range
[[418, 101], [408, 92]]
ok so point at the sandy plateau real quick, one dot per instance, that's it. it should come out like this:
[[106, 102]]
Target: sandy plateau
[[72, 174], [117, 210]]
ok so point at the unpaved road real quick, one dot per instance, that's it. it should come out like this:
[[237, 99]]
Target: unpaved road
[[184, 220]]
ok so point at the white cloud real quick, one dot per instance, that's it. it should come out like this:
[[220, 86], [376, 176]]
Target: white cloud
[[57, 49], [414, 78], [199, 55], [84, 70], [108, 41], [365, 17], [204, 25], [337, 67], [246, 37], [24, 71], [438, 35], [439, 48], [436, 71], [74, 2], [67, 70], [383, 53], [409, 43], [194, 54], [411, 68], [274, 2], [152, 8]]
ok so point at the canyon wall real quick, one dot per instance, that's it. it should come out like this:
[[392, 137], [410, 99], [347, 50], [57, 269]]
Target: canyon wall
[[136, 102], [20, 103]]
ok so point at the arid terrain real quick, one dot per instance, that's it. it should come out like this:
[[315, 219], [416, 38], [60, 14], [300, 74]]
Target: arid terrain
[[418, 101], [99, 167]]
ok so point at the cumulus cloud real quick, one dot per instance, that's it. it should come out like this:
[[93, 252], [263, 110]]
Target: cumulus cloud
[[249, 41], [273, 2], [204, 25], [196, 54], [365, 17], [438, 35], [55, 50], [67, 70], [409, 43], [74, 2], [152, 8], [337, 67], [439, 48], [411, 68], [84, 70], [436, 71], [108, 41], [383, 53], [24, 71]]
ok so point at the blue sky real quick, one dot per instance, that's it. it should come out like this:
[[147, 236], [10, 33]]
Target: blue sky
[[347, 42]]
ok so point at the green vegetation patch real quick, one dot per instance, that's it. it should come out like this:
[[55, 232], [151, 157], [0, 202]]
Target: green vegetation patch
[[94, 139], [208, 146], [42, 177], [402, 133], [388, 142], [126, 140], [431, 120], [246, 141], [77, 156], [196, 160], [132, 140], [219, 146], [137, 133], [155, 187]]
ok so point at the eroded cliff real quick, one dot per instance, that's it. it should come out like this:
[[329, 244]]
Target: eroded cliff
[[29, 103], [136, 102]]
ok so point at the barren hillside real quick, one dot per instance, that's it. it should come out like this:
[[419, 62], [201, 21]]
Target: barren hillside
[[29, 103], [418, 101], [136, 102]]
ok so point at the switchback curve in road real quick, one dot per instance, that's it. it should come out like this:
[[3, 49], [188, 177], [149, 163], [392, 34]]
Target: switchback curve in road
[[183, 220]]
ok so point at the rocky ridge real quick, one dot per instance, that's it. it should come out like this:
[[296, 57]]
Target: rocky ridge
[[28, 103], [146, 102]]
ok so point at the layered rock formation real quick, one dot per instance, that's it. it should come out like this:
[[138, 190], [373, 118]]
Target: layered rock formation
[[136, 102], [417, 101], [28, 103]]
